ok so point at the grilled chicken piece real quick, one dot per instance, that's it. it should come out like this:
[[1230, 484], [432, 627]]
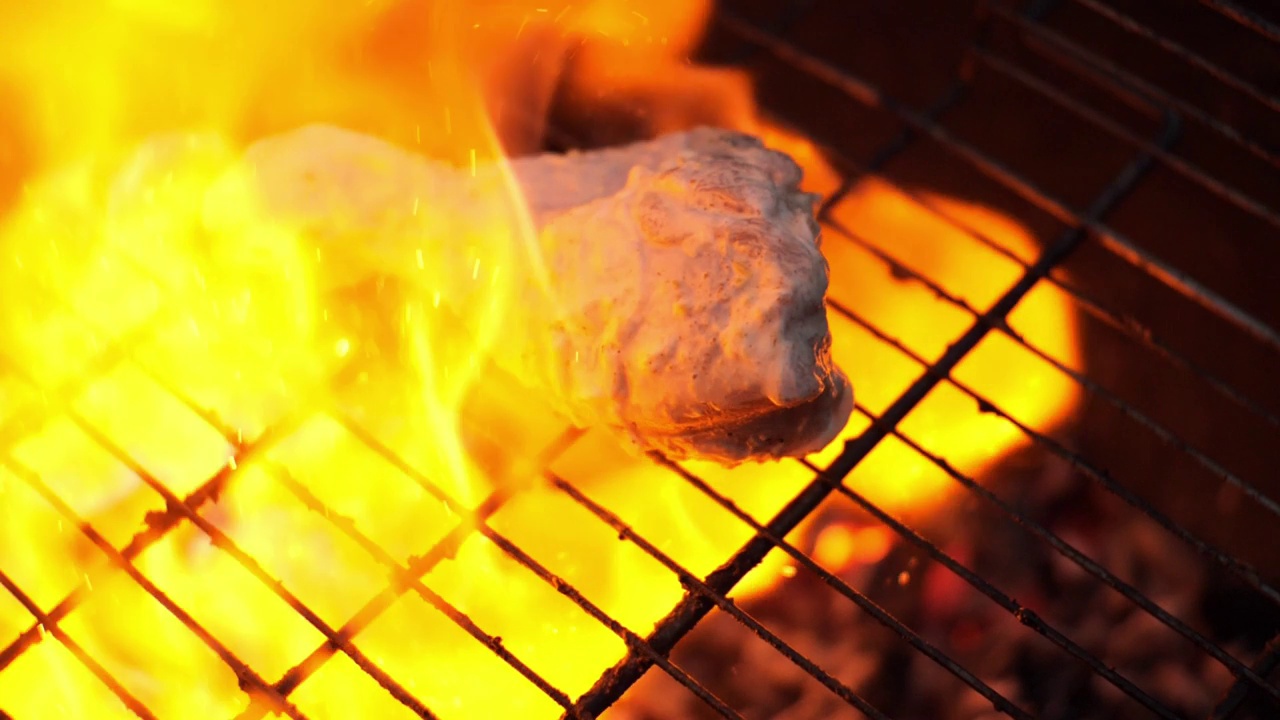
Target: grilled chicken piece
[[670, 290]]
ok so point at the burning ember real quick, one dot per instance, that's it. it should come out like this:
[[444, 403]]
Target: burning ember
[[213, 462]]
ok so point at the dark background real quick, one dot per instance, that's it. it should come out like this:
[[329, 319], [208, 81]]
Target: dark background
[[1070, 145]]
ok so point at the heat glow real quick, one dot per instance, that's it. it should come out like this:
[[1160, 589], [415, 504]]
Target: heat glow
[[164, 341]]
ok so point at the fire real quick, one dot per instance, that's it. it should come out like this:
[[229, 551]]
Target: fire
[[164, 341]]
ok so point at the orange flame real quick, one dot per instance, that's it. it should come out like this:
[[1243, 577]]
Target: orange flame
[[155, 322]]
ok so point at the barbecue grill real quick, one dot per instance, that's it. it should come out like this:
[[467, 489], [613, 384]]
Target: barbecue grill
[[1140, 146]]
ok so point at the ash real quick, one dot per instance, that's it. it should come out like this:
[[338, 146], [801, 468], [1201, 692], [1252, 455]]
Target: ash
[[981, 636]]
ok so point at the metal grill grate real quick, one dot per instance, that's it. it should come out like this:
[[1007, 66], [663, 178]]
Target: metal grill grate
[[1047, 50]]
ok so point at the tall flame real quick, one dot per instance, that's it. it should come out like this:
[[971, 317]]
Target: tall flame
[[155, 321]]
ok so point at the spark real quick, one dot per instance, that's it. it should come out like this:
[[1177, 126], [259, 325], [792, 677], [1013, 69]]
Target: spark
[[231, 462], [415, 210], [417, 132], [87, 582], [473, 162], [422, 263], [435, 301], [475, 269], [343, 347], [643, 19]]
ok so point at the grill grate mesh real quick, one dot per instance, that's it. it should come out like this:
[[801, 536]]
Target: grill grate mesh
[[1030, 30]]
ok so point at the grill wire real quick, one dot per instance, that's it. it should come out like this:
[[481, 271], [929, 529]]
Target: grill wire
[[1027, 28]]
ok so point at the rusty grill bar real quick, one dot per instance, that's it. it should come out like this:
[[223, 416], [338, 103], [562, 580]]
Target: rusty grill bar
[[1033, 33]]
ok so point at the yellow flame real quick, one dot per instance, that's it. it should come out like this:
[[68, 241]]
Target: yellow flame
[[927, 234], [155, 320]]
